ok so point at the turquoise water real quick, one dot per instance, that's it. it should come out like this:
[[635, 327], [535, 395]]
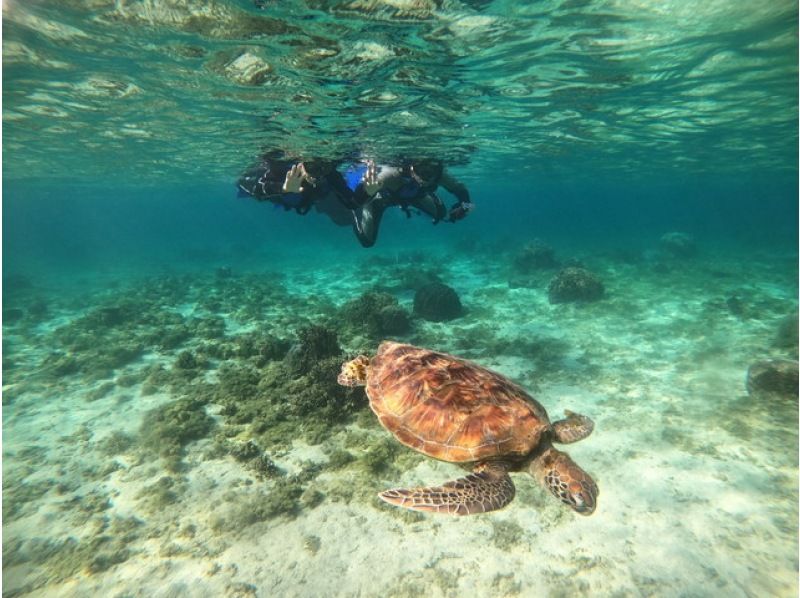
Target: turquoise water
[[170, 426]]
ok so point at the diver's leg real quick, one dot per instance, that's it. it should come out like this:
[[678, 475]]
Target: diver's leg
[[367, 220], [431, 205]]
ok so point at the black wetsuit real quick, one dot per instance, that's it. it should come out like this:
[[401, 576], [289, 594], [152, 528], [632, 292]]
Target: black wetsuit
[[265, 183], [400, 189]]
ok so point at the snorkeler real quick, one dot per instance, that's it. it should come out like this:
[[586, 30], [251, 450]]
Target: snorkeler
[[299, 186], [412, 185]]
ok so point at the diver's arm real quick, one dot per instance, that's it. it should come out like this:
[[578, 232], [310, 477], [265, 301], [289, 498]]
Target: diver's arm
[[264, 182], [464, 205], [457, 188], [376, 179]]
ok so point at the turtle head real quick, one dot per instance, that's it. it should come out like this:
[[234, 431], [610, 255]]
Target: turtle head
[[354, 372], [568, 482]]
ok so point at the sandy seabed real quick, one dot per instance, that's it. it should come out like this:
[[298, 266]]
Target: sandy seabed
[[698, 482]]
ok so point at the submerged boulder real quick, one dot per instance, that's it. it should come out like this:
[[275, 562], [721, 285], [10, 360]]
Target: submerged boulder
[[437, 302], [680, 245], [376, 314], [575, 285], [535, 255]]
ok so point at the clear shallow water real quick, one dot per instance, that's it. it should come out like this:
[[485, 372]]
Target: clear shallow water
[[171, 90], [136, 286]]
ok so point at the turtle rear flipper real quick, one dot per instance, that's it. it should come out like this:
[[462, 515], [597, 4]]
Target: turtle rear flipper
[[576, 427], [488, 488]]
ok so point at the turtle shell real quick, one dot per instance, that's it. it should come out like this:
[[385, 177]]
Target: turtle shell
[[449, 408]]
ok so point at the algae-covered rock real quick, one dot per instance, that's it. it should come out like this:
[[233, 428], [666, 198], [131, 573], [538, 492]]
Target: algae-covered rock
[[315, 343], [245, 451], [116, 443], [376, 315], [265, 467], [167, 429], [262, 347], [282, 499], [318, 394], [156, 497], [58, 364], [187, 360], [575, 285], [437, 302]]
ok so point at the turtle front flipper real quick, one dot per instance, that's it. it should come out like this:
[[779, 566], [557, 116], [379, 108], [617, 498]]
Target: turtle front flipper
[[576, 427], [487, 488]]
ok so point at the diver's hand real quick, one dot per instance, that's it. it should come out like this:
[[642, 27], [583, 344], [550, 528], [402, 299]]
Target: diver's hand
[[459, 211], [371, 183], [294, 179]]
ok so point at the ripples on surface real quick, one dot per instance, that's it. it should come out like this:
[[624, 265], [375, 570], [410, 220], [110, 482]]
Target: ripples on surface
[[150, 90]]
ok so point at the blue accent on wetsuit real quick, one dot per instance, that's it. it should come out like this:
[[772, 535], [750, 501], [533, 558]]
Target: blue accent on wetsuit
[[354, 174]]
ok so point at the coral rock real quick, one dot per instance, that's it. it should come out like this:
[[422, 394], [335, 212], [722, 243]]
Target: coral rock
[[315, 343], [377, 314], [437, 302], [575, 284]]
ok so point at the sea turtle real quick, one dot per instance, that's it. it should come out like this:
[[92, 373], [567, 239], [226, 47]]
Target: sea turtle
[[457, 411]]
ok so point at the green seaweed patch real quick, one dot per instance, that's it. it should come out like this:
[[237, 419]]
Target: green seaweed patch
[[166, 430], [188, 365], [208, 328], [17, 496], [89, 504], [116, 443], [245, 451], [261, 348], [255, 459], [58, 364], [265, 468], [160, 495], [315, 343], [282, 406], [100, 471], [507, 534], [170, 339], [339, 458], [100, 391], [281, 500], [59, 560], [129, 379], [156, 378], [379, 457], [318, 393], [311, 498]]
